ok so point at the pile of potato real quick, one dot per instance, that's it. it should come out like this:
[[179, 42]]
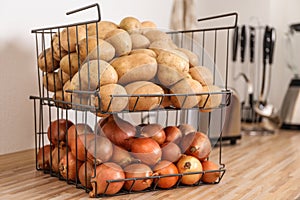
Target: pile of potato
[[133, 59]]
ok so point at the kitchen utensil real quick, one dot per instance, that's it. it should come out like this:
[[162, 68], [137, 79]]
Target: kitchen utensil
[[235, 41], [290, 108], [243, 43]]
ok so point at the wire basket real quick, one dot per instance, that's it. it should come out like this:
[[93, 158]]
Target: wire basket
[[82, 105]]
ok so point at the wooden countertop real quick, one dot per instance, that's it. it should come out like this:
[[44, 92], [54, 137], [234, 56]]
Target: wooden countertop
[[257, 167]]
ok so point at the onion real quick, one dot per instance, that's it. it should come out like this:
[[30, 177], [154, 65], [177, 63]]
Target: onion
[[173, 134], [57, 130], [154, 131], [100, 150], [77, 129], [122, 157], [57, 154], [67, 167], [43, 157], [147, 150], [117, 130], [85, 173], [170, 152], [165, 167], [186, 129], [210, 177], [196, 144], [104, 172], [189, 164], [135, 171], [82, 143]]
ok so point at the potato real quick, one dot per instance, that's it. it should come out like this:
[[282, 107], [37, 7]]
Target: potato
[[156, 34], [186, 86], [211, 100], [46, 61], [120, 40], [161, 45], [87, 47], [93, 74], [75, 100], [52, 82], [149, 52], [130, 24], [193, 58], [139, 41], [148, 24], [108, 103], [135, 67], [59, 96], [172, 67], [103, 28], [69, 36], [202, 74], [144, 88], [69, 64], [58, 51], [63, 77]]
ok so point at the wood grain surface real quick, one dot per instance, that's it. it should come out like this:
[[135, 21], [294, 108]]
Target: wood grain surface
[[257, 167]]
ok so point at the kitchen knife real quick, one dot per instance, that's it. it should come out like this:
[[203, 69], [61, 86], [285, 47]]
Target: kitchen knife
[[252, 43], [243, 43]]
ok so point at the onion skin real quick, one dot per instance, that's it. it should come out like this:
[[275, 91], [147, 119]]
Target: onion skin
[[186, 129], [165, 167], [171, 152], [189, 164], [154, 131], [57, 154], [196, 144], [57, 130], [173, 134], [210, 177], [100, 150], [67, 167], [85, 174], [138, 170], [117, 130], [43, 157], [147, 150], [104, 172], [77, 129], [82, 143], [122, 157]]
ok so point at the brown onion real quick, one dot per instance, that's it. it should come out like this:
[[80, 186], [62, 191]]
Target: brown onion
[[43, 157], [122, 157], [147, 150], [104, 172], [173, 134], [137, 171], [170, 152], [189, 164], [165, 167], [196, 144], [154, 131], [186, 129], [210, 177], [117, 130], [57, 130], [57, 154], [82, 143], [74, 131], [67, 167], [85, 174], [100, 150]]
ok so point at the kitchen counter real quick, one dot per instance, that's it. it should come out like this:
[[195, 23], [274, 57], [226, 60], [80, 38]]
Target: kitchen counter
[[257, 167]]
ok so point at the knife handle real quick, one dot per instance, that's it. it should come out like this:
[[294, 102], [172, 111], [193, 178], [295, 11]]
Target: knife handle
[[235, 43], [252, 43], [243, 42]]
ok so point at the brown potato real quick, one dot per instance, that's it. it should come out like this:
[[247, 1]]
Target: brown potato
[[149, 52], [46, 61], [59, 96], [63, 77], [135, 67], [69, 36], [156, 34], [160, 45], [70, 64], [211, 100], [93, 74], [144, 88], [120, 40], [202, 74], [103, 28], [193, 58], [87, 48], [58, 51], [75, 100], [139, 41], [130, 24], [108, 103], [52, 82], [186, 86], [148, 24]]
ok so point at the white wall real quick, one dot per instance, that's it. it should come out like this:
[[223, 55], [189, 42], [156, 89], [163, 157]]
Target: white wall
[[17, 47]]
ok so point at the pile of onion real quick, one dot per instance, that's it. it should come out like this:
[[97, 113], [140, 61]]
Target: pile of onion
[[57, 130], [43, 157], [104, 172], [188, 164], [68, 167], [122, 157], [212, 174], [57, 154], [154, 131], [100, 150], [171, 152], [162, 168], [173, 134], [85, 174]]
